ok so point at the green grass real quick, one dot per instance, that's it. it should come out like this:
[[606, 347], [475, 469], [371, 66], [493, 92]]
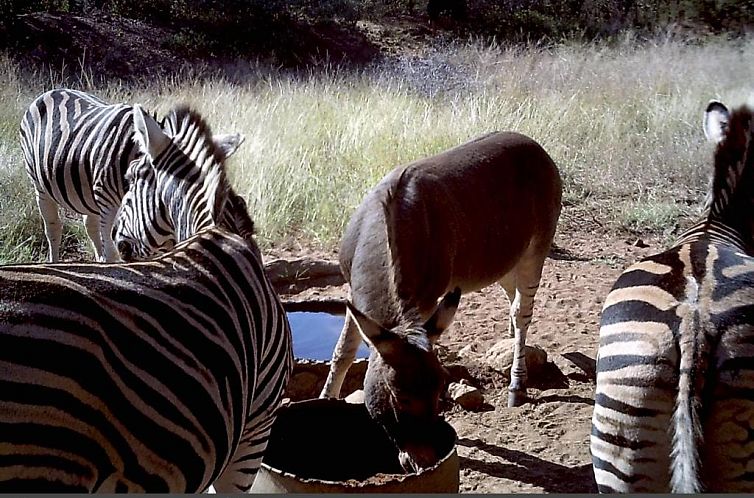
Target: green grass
[[623, 123]]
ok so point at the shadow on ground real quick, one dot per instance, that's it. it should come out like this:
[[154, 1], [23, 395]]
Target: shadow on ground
[[551, 477]]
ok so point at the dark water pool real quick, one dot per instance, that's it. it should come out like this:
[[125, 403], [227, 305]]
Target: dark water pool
[[315, 335]]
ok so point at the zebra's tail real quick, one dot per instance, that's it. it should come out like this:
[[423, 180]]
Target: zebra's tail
[[686, 426]]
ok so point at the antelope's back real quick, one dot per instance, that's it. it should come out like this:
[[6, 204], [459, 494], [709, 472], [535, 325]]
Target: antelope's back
[[466, 215]]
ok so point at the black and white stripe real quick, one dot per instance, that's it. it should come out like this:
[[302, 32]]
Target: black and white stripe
[[674, 403], [158, 376], [169, 203], [77, 149]]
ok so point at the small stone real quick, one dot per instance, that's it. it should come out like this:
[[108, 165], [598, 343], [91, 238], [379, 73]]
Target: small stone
[[466, 351], [470, 398], [638, 243], [500, 357], [356, 397]]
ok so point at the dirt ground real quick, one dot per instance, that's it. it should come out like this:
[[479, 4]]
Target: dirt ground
[[543, 446]]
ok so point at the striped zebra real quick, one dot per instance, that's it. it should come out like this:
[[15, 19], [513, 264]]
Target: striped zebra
[[155, 376], [77, 149], [674, 403]]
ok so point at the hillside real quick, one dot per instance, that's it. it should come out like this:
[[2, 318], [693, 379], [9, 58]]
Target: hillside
[[108, 46], [109, 39]]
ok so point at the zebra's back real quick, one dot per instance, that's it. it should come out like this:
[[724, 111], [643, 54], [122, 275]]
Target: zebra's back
[[140, 377], [77, 148], [675, 373]]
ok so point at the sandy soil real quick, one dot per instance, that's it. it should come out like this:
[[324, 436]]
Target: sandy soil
[[543, 446]]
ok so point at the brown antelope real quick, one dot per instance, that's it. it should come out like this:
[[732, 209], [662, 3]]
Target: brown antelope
[[482, 212]]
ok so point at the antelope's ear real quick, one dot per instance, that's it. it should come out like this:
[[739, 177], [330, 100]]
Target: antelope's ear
[[715, 123], [228, 143], [148, 134], [443, 315], [385, 342]]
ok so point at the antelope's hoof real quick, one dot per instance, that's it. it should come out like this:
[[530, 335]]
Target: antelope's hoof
[[516, 398]]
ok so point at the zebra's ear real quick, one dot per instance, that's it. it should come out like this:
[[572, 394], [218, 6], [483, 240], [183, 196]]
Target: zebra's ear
[[228, 143], [148, 134], [716, 119]]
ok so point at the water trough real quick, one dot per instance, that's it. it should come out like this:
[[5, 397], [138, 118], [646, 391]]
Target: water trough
[[310, 452]]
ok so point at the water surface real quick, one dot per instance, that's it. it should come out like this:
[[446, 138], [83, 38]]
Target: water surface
[[315, 335]]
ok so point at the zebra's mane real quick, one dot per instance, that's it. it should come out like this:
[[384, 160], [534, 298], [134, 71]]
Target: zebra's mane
[[193, 136], [733, 173]]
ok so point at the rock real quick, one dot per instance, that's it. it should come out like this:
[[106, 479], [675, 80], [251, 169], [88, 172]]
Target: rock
[[637, 243], [309, 376], [470, 398], [467, 351], [303, 385], [500, 357], [501, 329], [458, 372], [356, 397], [295, 275]]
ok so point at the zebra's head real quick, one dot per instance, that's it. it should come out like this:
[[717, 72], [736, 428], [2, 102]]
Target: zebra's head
[[178, 186], [142, 228], [405, 380], [730, 196]]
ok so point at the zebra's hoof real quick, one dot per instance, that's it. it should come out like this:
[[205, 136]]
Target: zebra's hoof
[[516, 398]]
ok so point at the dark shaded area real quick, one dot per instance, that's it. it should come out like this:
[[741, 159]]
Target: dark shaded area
[[585, 363], [108, 47], [548, 376], [565, 254], [560, 398], [552, 477]]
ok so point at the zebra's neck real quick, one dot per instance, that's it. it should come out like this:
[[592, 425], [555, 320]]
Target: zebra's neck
[[189, 208]]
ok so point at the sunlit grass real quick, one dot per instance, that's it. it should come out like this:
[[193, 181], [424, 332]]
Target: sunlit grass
[[623, 123]]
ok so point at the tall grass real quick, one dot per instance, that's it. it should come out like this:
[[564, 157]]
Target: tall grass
[[622, 121]]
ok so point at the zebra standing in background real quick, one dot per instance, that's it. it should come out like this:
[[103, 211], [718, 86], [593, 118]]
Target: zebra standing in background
[[77, 149], [156, 376], [674, 404]]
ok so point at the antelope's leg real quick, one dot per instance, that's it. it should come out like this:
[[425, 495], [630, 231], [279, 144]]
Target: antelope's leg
[[508, 283], [343, 356], [527, 275]]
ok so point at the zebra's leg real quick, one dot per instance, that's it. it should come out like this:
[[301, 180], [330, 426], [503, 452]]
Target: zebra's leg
[[239, 475], [527, 274], [107, 219], [92, 223], [343, 356], [631, 440], [728, 451], [48, 208]]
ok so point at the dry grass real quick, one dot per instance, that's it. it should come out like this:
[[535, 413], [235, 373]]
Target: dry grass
[[623, 123]]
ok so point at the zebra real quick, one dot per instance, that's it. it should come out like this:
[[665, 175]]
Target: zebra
[[154, 376], [77, 149], [674, 401], [160, 208]]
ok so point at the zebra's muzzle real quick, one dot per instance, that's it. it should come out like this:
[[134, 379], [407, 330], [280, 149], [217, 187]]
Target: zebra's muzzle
[[126, 250]]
